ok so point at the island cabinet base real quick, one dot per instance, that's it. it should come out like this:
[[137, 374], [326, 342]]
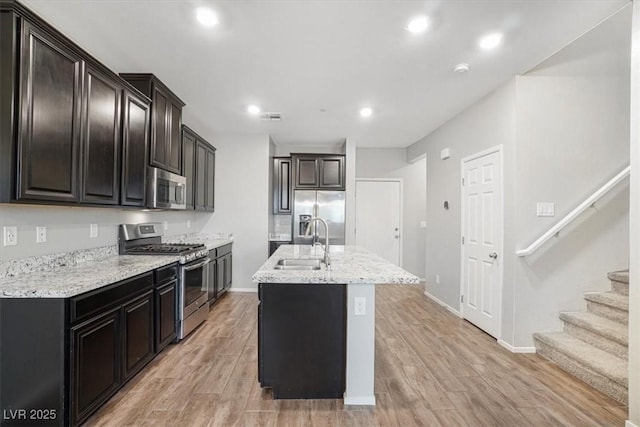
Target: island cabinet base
[[302, 340]]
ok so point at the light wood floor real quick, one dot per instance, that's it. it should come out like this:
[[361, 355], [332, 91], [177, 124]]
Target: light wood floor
[[432, 369]]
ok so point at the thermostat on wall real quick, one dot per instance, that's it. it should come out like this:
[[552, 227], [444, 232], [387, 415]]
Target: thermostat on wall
[[445, 153]]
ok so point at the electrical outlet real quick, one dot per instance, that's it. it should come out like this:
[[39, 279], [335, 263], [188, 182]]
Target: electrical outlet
[[360, 306], [41, 234], [545, 209], [93, 230], [10, 235], [165, 225], [437, 279], [188, 223]]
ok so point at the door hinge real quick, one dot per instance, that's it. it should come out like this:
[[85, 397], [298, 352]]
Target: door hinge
[[462, 298], [463, 240], [462, 181]]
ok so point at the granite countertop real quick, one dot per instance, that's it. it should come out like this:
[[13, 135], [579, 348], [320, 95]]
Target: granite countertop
[[349, 265], [81, 271]]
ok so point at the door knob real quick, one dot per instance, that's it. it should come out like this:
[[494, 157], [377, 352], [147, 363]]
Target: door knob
[[397, 236], [493, 255]]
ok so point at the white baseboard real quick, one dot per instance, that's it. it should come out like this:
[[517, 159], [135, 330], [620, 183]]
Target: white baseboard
[[233, 289], [444, 304], [513, 349], [360, 400], [629, 424]]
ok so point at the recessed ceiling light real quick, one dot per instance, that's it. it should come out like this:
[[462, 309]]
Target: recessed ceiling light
[[418, 25], [206, 16], [253, 109], [490, 41], [366, 112], [462, 68]]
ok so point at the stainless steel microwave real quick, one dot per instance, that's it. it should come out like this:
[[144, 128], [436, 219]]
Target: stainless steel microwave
[[165, 190]]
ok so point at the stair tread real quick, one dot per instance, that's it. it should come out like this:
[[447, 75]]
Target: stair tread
[[619, 276], [598, 360], [601, 325], [611, 299]]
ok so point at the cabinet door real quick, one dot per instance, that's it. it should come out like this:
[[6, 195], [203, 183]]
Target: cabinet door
[[281, 186], [211, 278], [201, 177], [49, 142], [189, 165], [95, 363], [210, 180], [220, 289], [166, 308], [174, 141], [135, 143], [228, 265], [101, 139], [159, 129], [332, 172], [138, 336], [306, 172]]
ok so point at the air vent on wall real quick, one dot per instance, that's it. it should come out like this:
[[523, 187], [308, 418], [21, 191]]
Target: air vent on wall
[[271, 116]]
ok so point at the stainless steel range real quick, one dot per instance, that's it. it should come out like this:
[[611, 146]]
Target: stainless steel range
[[193, 271]]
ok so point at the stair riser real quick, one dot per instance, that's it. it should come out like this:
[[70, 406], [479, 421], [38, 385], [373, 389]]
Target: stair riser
[[620, 288], [595, 380], [597, 340], [609, 312]]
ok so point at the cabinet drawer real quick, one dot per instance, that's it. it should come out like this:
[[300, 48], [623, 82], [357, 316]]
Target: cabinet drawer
[[223, 250], [89, 303], [166, 274]]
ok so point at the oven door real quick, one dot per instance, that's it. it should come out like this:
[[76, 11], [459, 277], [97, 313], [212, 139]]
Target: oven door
[[194, 278]]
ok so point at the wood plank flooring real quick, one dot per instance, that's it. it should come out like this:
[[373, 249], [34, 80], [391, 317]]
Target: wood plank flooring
[[432, 369]]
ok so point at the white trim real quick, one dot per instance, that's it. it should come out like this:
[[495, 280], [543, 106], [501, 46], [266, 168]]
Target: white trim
[[497, 149], [575, 213], [360, 400], [629, 424], [401, 213], [443, 304], [251, 290], [513, 349]]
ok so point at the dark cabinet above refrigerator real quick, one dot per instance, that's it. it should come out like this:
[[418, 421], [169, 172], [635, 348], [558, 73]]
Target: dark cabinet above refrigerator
[[318, 171]]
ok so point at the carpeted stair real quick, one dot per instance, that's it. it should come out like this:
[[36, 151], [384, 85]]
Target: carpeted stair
[[593, 345]]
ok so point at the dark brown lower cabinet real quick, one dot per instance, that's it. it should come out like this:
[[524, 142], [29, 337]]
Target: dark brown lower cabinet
[[138, 334], [81, 350], [95, 371], [166, 303]]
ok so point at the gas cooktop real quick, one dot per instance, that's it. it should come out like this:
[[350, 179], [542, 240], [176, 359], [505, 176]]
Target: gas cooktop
[[165, 248]]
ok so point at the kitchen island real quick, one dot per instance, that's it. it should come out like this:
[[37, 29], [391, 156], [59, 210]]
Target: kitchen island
[[354, 272]]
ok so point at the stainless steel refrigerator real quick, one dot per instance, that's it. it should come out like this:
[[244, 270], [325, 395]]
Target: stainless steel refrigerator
[[328, 205]]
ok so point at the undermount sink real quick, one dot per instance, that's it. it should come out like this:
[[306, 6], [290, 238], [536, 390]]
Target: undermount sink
[[298, 264]]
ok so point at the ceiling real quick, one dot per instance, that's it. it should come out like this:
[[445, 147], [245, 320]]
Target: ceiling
[[318, 62]]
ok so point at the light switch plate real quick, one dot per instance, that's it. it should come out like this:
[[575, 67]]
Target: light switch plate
[[165, 225], [93, 230], [546, 209], [41, 234], [360, 306], [10, 235], [423, 224], [188, 223]]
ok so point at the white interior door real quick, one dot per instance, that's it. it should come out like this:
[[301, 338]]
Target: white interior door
[[482, 230], [378, 213]]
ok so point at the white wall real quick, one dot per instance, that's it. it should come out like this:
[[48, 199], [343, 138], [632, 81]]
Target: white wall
[[287, 149], [563, 128], [242, 195], [392, 163], [634, 232], [68, 227]]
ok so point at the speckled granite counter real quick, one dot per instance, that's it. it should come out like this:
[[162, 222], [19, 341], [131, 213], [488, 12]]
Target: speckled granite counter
[[349, 265], [73, 273]]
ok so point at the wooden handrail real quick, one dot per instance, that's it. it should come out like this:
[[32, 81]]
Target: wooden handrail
[[575, 213]]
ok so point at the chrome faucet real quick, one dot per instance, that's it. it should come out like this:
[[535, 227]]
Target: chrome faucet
[[327, 260]]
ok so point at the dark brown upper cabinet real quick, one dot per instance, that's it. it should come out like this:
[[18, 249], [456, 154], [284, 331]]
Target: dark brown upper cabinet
[[282, 185], [101, 138], [135, 145], [318, 171], [166, 120], [71, 130], [189, 163], [51, 100], [198, 165]]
